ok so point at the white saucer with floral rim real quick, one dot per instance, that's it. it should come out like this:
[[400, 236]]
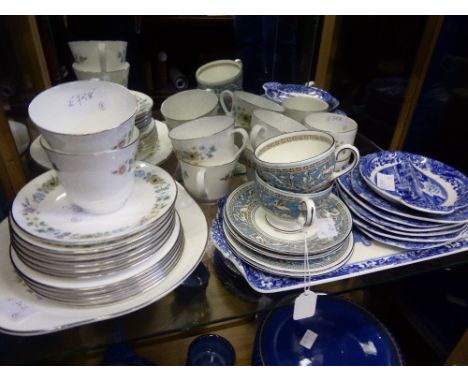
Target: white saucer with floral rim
[[42, 209]]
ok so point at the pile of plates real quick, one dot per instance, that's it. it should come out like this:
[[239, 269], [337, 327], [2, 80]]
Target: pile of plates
[[340, 333], [82, 259], [247, 232], [407, 200]]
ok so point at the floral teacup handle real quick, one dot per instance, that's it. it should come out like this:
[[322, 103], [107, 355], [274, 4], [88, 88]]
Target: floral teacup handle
[[245, 139], [222, 97], [356, 157], [102, 56], [254, 133], [200, 183]]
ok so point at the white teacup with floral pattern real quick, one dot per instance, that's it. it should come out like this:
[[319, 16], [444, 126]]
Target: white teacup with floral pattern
[[188, 105], [341, 127], [220, 75], [100, 182], [241, 105], [207, 141], [99, 56], [299, 107], [208, 184], [267, 124], [85, 116], [119, 76]]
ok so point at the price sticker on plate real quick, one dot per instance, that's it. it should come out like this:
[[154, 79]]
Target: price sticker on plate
[[386, 181], [14, 309], [325, 228], [308, 339]]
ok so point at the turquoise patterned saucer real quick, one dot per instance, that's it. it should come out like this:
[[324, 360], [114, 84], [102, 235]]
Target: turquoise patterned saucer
[[246, 216]]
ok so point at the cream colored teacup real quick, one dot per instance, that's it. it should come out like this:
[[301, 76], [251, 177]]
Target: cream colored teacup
[[299, 107], [208, 183], [99, 56]]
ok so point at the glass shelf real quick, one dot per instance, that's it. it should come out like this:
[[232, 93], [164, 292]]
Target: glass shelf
[[171, 315]]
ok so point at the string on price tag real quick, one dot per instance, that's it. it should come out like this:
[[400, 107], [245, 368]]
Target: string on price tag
[[386, 181], [14, 309]]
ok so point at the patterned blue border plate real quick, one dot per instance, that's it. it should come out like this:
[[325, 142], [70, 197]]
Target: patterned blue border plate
[[369, 256], [278, 92], [418, 182], [353, 184]]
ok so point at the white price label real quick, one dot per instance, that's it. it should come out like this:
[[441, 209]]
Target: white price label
[[14, 309], [386, 181], [308, 339], [326, 228], [304, 305]]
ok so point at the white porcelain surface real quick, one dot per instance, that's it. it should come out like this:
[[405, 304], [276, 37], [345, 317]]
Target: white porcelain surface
[[163, 148], [220, 75], [100, 182], [99, 56], [342, 128], [20, 135], [240, 106], [119, 76], [207, 141], [84, 116], [267, 124], [43, 210], [50, 317], [188, 105], [299, 107], [207, 184]]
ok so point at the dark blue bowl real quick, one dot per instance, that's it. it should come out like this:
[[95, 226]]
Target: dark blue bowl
[[211, 350], [194, 286], [347, 335]]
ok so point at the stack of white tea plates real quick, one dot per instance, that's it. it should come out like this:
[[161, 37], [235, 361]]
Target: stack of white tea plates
[[146, 125], [82, 259], [247, 232], [407, 200]]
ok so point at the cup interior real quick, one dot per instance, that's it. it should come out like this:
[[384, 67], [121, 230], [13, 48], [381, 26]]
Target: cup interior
[[294, 147], [218, 72], [331, 122], [189, 104], [201, 128], [82, 107], [258, 101], [305, 103]]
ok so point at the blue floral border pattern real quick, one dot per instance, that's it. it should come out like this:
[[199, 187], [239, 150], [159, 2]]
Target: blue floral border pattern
[[266, 283], [409, 168]]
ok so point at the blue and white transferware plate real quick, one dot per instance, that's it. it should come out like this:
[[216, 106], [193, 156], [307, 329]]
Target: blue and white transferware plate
[[332, 224], [347, 335], [382, 231], [317, 264], [386, 225], [354, 185], [278, 92], [415, 181]]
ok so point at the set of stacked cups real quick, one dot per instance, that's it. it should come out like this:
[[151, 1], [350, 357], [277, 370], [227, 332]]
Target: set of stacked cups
[[104, 60], [91, 141]]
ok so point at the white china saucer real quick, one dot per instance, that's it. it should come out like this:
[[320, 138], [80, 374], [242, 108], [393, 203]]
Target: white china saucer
[[163, 148], [42, 209], [332, 224], [46, 316], [39, 155]]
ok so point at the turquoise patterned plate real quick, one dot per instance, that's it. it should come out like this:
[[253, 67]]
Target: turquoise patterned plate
[[246, 216]]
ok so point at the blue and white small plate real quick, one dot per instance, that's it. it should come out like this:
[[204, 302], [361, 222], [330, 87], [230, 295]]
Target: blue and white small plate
[[393, 227], [354, 183], [278, 92], [246, 216], [347, 335], [415, 181]]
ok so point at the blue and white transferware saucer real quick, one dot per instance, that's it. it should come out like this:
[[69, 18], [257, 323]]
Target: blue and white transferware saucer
[[354, 185], [382, 231], [278, 92], [389, 226], [346, 335], [415, 181], [332, 224], [318, 264]]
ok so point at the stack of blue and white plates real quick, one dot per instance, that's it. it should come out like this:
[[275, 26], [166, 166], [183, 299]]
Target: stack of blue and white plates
[[407, 200], [252, 239]]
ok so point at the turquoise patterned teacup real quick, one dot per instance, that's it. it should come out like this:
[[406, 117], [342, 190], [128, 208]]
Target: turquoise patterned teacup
[[288, 211], [302, 161], [241, 105]]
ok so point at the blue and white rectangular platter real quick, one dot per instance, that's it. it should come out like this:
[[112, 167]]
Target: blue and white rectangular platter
[[368, 257]]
